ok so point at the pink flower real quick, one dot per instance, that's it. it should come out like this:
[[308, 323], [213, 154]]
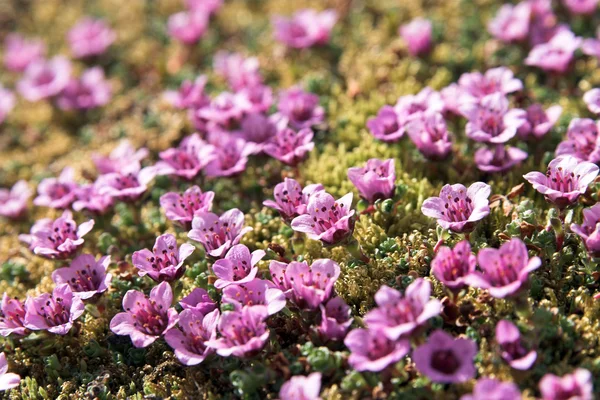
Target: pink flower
[[543, 24], [57, 192], [302, 387], [398, 316], [458, 208], [452, 98], [189, 95], [411, 107], [491, 121], [90, 199], [218, 234], [12, 317], [54, 312], [188, 26], [291, 199], [555, 55], [243, 333], [20, 52], [13, 202], [122, 158], [164, 262], [186, 160], [230, 155], [90, 91], [374, 181], [260, 129], [43, 79], [491, 389], [7, 103], [430, 135], [592, 100], [336, 318], [306, 28], [539, 122], [386, 126], [183, 207], [499, 158], [511, 23], [475, 85], [290, 147], [127, 185], [509, 339], [444, 359], [591, 46], [566, 179], [371, 350], [189, 341], [417, 35], [326, 219], [146, 318], [577, 385], [255, 293], [237, 267], [85, 276], [90, 37], [225, 110], [505, 270], [208, 6], [58, 238], [583, 140], [260, 98], [239, 71], [589, 230], [301, 108], [580, 7], [8, 380], [453, 266], [198, 300]]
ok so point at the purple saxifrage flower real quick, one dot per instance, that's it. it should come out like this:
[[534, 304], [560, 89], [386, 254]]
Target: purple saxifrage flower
[[124, 157], [90, 37], [592, 100], [326, 219], [91, 90], [412, 107], [128, 185], [444, 359], [188, 26], [511, 23], [13, 202], [243, 333], [498, 158], [12, 317], [165, 262], [146, 318], [376, 180], [577, 385], [57, 192], [230, 155], [195, 329], [555, 55], [336, 318], [291, 199], [511, 346], [241, 72], [290, 147], [8, 380], [305, 29], [302, 387], [183, 207], [301, 108], [237, 267], [397, 315], [583, 140], [430, 135], [43, 79], [589, 230], [539, 121], [218, 233], [371, 350], [475, 85], [19, 52], [90, 199], [566, 179], [189, 95], [186, 160], [256, 293], [225, 110], [86, 276], [581, 7], [260, 129], [198, 300], [417, 35], [54, 312], [386, 125], [453, 266], [458, 208], [491, 389]]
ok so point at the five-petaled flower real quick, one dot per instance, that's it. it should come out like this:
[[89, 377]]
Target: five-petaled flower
[[54, 312], [86, 276], [218, 233], [237, 267], [165, 262]]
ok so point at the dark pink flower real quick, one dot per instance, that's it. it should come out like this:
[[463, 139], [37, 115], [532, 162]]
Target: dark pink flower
[[305, 29], [91, 90], [90, 37], [8, 380], [183, 207], [237, 267], [326, 219], [581, 7], [371, 350], [7, 103], [53, 312], [430, 135], [302, 387], [374, 181], [189, 95], [336, 318], [89, 198], [57, 192], [188, 26], [583, 140], [453, 266], [230, 155], [189, 340], [444, 359], [243, 333], [290, 147], [19, 52], [291, 199], [128, 185], [43, 79], [575, 386], [12, 317], [417, 35], [260, 98], [186, 160], [386, 126], [165, 262], [255, 293], [475, 85], [13, 202], [218, 233], [511, 23], [592, 100], [301, 108], [208, 6], [498, 158], [491, 389], [555, 55], [146, 318], [124, 157], [225, 110], [86, 276], [240, 72], [412, 107], [539, 122], [198, 300], [513, 352], [397, 315], [260, 129], [589, 230]]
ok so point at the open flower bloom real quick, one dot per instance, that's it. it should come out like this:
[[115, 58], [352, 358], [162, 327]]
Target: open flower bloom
[[225, 110], [13, 202], [412, 107], [90, 199], [164, 262], [183, 207], [376, 180], [188, 26], [128, 185], [198, 300], [230, 155], [591, 46], [444, 359], [544, 23], [566, 179], [305, 29], [592, 100], [475, 85], [577, 385], [58, 238], [260, 129], [336, 318], [498, 158], [302, 387], [146, 318], [237, 267], [583, 140], [490, 120], [260, 98], [386, 125], [397, 315], [189, 95], [430, 135], [90, 37], [186, 160], [195, 329], [301, 108], [539, 121], [291, 199], [491, 389], [256, 293], [12, 317], [290, 147], [86, 276], [451, 96], [505, 270], [371, 350], [513, 352], [241, 72], [19, 52], [57, 192], [91, 90], [326, 219], [218, 234], [43, 79], [8, 380], [54, 312], [555, 55], [581, 7], [243, 333], [511, 23], [453, 266], [308, 287], [589, 230], [417, 35], [121, 159], [458, 208], [7, 102]]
